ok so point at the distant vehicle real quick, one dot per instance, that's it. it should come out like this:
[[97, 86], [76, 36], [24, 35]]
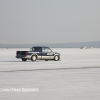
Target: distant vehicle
[[85, 47], [38, 53]]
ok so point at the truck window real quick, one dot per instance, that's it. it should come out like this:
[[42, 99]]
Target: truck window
[[46, 49], [35, 49]]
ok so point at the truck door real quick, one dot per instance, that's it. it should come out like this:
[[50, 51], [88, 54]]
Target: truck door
[[37, 50], [47, 53]]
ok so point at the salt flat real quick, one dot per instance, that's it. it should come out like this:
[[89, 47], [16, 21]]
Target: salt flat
[[75, 77]]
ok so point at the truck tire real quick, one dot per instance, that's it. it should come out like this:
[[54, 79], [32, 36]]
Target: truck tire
[[56, 58], [24, 59], [33, 58]]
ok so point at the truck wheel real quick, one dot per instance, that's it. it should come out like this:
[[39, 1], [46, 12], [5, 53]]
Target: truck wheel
[[33, 58], [46, 59], [56, 58], [24, 59]]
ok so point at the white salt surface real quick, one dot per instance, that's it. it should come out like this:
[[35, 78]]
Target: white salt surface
[[75, 77]]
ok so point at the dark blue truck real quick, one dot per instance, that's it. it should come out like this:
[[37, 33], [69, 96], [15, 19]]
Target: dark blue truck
[[38, 53]]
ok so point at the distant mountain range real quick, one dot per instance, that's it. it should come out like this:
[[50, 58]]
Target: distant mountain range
[[94, 44]]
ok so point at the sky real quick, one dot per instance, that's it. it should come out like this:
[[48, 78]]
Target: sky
[[49, 21]]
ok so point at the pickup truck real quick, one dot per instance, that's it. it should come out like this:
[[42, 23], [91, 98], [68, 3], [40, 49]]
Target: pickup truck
[[38, 53]]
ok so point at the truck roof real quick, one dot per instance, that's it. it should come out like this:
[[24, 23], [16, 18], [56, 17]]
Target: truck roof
[[39, 46]]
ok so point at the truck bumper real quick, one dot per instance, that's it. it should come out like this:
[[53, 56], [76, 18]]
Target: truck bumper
[[24, 56]]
